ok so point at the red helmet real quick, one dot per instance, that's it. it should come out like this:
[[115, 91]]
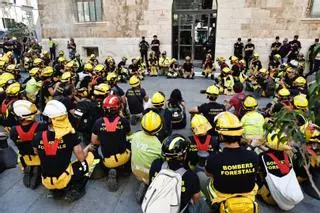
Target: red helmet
[[111, 102]]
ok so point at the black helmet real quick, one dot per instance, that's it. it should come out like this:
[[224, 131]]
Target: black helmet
[[174, 146]]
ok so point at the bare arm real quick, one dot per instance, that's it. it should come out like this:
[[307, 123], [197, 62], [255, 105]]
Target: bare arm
[[79, 153], [194, 110]]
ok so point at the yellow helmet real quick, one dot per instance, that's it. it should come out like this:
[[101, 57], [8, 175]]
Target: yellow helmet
[[61, 59], [13, 89], [228, 124], [263, 71], [200, 125], [134, 81], [138, 58], [300, 102], [61, 53], [111, 77], [101, 89], [34, 71], [69, 65], [226, 70], [9, 54], [151, 123], [277, 56], [46, 53], [256, 55], [242, 61], [37, 62], [2, 64], [173, 60], [284, 92], [311, 132], [11, 68], [158, 99], [289, 69], [300, 81], [99, 68], [234, 59], [250, 103], [88, 67], [5, 58], [47, 72], [92, 56], [273, 141], [66, 76], [212, 91], [82, 92], [221, 59], [5, 77]]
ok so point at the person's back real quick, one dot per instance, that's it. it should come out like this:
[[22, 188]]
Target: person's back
[[253, 124], [135, 98]]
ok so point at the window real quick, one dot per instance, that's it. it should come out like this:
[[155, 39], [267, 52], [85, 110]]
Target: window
[[89, 10], [315, 9], [8, 22], [92, 50]]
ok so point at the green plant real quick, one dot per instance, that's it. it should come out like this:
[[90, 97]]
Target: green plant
[[18, 30]]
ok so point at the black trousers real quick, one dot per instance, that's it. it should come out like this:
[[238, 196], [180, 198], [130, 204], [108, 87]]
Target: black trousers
[[53, 54], [144, 56]]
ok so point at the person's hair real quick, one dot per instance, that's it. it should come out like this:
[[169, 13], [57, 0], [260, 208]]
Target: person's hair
[[239, 39], [277, 37], [238, 87], [316, 40], [175, 97], [212, 97], [249, 39]]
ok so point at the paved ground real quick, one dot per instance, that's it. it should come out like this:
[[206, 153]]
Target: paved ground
[[15, 198]]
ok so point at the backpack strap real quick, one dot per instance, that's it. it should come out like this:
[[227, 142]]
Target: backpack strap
[[4, 106], [27, 136], [202, 146], [283, 167], [111, 126], [50, 149], [180, 171]]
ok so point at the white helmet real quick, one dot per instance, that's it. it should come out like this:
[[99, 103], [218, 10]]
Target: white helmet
[[25, 109], [54, 109]]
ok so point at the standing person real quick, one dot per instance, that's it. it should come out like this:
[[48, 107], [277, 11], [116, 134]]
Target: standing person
[[311, 54], [52, 48], [248, 51], [295, 47], [285, 50], [275, 48], [209, 45], [144, 47], [17, 48], [238, 49], [7, 45], [316, 60], [72, 47], [155, 46]]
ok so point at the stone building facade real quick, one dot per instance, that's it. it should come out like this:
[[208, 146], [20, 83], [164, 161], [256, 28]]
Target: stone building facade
[[114, 27]]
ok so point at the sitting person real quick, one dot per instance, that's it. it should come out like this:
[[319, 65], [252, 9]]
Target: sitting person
[[176, 106], [164, 62], [235, 102], [145, 147], [110, 132], [54, 147], [174, 69], [188, 68]]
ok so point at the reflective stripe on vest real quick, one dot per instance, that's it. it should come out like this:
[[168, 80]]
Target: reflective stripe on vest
[[111, 126], [200, 146], [50, 148], [27, 136]]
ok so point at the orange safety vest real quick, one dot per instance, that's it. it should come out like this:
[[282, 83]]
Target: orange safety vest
[[50, 148], [201, 146], [111, 126], [27, 136]]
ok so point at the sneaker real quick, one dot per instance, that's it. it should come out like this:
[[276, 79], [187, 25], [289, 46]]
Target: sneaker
[[27, 176], [35, 177], [141, 192], [112, 182], [74, 194]]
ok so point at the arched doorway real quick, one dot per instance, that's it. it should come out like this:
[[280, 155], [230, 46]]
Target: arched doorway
[[193, 21]]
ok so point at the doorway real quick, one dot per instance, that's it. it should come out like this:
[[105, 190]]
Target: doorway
[[191, 27]]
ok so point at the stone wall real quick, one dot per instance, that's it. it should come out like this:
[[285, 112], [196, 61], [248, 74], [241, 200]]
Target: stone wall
[[262, 20], [124, 22]]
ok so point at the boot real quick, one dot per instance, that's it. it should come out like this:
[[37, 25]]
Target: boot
[[112, 182], [74, 194], [141, 192], [35, 177], [27, 176]]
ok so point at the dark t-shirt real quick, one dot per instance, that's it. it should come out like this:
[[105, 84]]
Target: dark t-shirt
[[238, 49], [54, 166], [210, 110], [275, 45], [135, 100], [192, 155], [118, 91], [155, 48], [187, 67], [236, 70], [190, 182], [284, 50], [133, 67], [248, 53], [112, 142], [233, 170], [25, 147]]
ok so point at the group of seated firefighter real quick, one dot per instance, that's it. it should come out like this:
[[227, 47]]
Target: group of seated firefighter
[[65, 110]]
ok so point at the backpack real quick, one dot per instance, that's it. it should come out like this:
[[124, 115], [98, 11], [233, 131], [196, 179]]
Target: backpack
[[144, 47], [164, 193], [285, 190], [177, 113], [239, 204], [84, 116]]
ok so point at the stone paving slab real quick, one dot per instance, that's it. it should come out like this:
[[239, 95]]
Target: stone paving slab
[[15, 198]]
